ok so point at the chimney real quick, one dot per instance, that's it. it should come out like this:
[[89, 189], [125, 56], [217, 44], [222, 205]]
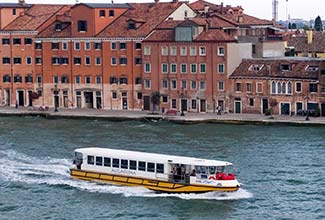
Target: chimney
[[310, 36]]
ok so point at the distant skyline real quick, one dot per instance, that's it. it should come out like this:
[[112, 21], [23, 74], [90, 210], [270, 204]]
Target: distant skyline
[[257, 8]]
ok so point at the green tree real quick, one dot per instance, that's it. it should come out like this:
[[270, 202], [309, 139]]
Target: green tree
[[155, 99], [318, 24]]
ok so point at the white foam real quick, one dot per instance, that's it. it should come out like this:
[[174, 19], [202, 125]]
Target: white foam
[[18, 167]]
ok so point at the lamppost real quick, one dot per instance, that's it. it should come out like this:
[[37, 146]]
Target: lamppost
[[56, 98]]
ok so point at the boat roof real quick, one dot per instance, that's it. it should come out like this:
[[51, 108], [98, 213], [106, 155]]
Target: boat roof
[[154, 157]]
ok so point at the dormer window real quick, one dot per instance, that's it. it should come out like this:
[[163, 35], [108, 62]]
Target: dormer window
[[58, 26], [285, 67], [256, 67], [311, 68]]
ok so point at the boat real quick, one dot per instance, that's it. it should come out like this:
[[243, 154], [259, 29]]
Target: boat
[[158, 172]]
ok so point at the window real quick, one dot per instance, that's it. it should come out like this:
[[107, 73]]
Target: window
[[82, 26], [55, 46], [123, 61], [5, 41], [87, 80], [6, 79], [138, 80], [173, 84], [202, 85], [97, 45], [138, 46], [38, 45], [147, 50], [193, 84], [174, 103], [133, 165], [98, 79], [5, 60], [221, 68], [122, 45], [183, 68], [102, 13], [28, 41], [139, 95], [313, 87], [142, 166], [55, 79], [113, 61], [77, 60], [107, 161], [113, 80], [116, 163], [77, 79], [238, 87], [183, 51], [18, 79], [298, 87], [202, 51], [164, 51], [123, 80], [64, 79], [173, 68], [113, 45], [147, 68], [76, 45], [173, 51], [17, 41], [164, 84], [164, 68], [124, 164], [220, 86], [192, 51], [221, 51], [98, 60], [138, 60], [147, 83], [29, 79], [64, 45], [193, 104], [114, 95], [38, 60], [193, 68], [202, 68], [99, 161], [17, 60], [90, 160], [251, 102], [151, 167], [87, 60], [111, 13]]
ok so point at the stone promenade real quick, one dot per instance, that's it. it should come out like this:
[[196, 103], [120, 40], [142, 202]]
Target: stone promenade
[[189, 118]]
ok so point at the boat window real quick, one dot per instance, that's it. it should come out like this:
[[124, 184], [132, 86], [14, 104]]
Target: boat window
[[133, 165], [90, 160], [160, 168], [116, 162], [124, 164], [107, 162], [212, 170], [142, 165], [221, 169], [151, 167], [99, 161]]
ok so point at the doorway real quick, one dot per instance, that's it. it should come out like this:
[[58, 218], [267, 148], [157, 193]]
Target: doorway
[[146, 103], [89, 99], [21, 98]]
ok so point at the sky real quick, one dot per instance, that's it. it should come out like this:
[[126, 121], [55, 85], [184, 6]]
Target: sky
[[259, 8]]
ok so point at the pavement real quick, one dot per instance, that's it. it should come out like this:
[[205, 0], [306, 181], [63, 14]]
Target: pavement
[[189, 118]]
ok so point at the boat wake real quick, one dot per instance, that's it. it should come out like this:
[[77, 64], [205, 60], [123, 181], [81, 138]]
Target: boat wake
[[17, 167]]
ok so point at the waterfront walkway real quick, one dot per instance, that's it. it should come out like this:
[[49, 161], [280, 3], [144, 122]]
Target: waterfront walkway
[[189, 118]]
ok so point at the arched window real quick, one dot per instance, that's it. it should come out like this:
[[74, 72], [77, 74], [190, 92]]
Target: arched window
[[273, 90], [279, 88], [284, 88], [289, 88]]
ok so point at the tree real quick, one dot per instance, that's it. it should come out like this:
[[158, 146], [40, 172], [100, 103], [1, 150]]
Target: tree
[[273, 102], [294, 26], [318, 24], [289, 26], [155, 99]]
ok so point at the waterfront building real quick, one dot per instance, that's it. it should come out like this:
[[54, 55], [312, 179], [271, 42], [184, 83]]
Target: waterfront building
[[293, 85]]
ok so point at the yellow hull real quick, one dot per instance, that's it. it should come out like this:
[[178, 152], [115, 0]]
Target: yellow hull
[[156, 185]]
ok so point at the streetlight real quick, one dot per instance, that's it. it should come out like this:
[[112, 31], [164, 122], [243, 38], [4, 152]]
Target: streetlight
[[56, 98]]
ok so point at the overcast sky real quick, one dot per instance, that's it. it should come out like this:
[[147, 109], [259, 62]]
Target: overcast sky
[[259, 8]]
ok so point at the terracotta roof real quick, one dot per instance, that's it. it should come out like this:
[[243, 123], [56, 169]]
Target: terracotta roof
[[300, 43], [152, 13], [271, 68], [33, 17]]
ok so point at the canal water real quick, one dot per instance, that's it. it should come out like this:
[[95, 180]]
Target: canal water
[[281, 169]]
